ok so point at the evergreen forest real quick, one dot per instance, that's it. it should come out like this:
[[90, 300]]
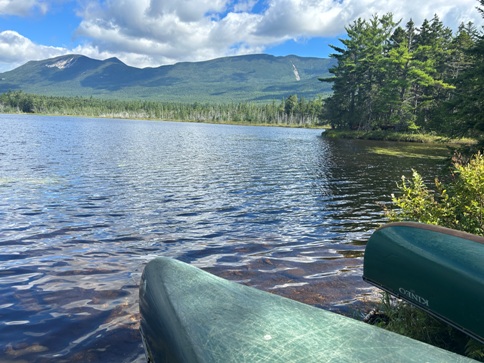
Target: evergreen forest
[[408, 78], [292, 111]]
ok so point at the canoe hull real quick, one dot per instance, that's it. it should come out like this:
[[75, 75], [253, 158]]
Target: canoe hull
[[437, 269], [189, 315]]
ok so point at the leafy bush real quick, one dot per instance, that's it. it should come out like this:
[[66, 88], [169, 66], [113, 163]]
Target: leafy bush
[[457, 204]]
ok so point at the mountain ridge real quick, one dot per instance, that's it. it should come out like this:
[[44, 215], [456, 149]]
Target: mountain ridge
[[254, 78]]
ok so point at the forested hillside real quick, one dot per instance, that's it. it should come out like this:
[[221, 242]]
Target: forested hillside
[[407, 77], [257, 78]]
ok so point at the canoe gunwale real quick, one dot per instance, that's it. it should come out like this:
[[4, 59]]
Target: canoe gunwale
[[436, 228]]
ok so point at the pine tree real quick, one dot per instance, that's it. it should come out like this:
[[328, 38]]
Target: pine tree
[[355, 103], [467, 106]]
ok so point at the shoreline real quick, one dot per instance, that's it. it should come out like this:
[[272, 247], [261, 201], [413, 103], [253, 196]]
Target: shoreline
[[395, 137], [137, 118]]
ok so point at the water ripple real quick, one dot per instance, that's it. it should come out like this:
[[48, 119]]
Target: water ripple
[[85, 204]]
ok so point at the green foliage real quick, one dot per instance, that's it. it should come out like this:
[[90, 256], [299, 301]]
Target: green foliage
[[475, 350], [466, 107], [457, 204], [292, 111], [405, 319], [19, 101], [408, 79], [417, 202], [358, 74]]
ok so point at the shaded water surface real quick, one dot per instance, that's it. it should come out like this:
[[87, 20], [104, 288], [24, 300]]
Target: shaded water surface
[[86, 203]]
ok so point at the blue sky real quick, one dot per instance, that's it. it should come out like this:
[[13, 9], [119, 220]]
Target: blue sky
[[151, 33]]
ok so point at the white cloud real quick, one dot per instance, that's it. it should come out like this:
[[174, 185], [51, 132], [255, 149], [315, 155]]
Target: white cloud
[[154, 32], [22, 7], [185, 10], [169, 31], [245, 5], [452, 13], [302, 18], [16, 49], [295, 18]]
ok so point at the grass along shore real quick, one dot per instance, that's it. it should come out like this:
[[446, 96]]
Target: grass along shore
[[395, 136]]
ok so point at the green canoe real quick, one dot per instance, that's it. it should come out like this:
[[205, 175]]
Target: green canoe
[[437, 269], [188, 315]]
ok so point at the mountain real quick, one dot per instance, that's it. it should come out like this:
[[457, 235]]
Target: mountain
[[257, 78]]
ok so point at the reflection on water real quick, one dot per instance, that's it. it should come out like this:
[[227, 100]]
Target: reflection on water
[[85, 203]]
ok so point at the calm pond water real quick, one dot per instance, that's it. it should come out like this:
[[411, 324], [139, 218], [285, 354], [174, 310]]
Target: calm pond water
[[86, 203]]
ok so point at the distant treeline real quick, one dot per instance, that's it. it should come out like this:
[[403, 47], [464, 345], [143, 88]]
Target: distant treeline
[[404, 78], [292, 111]]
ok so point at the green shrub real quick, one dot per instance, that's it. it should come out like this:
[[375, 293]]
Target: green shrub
[[458, 204]]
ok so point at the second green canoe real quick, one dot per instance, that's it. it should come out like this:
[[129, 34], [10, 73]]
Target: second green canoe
[[438, 269]]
